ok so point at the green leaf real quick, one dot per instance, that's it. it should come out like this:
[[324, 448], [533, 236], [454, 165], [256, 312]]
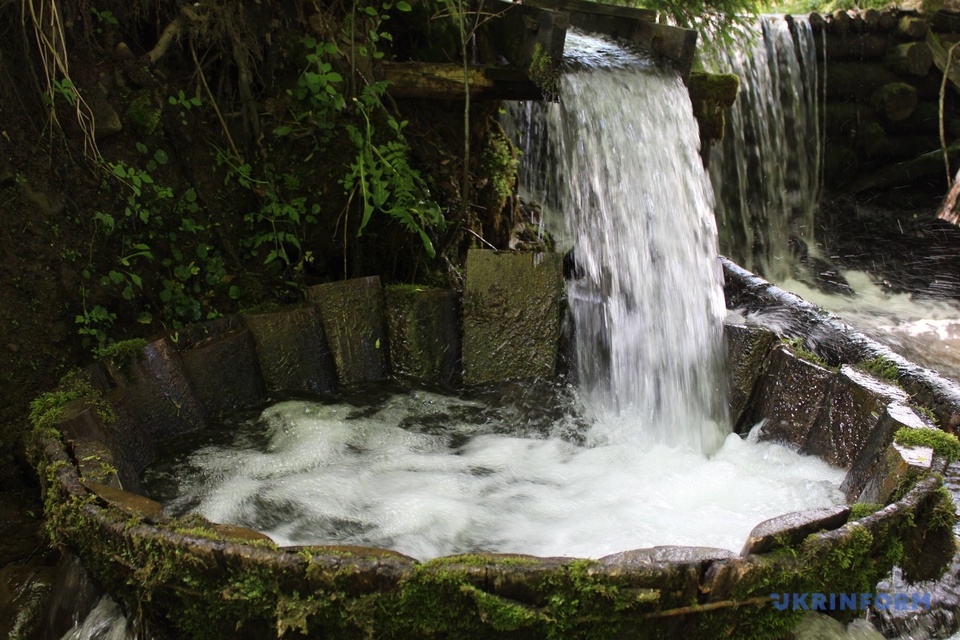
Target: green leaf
[[234, 292], [282, 130], [404, 6]]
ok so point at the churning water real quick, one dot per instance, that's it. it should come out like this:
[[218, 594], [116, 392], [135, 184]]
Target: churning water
[[637, 456], [429, 474]]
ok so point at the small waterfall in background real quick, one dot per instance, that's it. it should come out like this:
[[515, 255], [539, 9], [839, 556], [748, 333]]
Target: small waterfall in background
[[617, 159], [766, 172]]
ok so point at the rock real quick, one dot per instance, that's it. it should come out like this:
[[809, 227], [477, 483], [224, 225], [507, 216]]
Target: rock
[[791, 394], [792, 528], [352, 315], [747, 347], [223, 372], [24, 598], [850, 414], [423, 330], [292, 350], [157, 390], [511, 316], [876, 471], [122, 53]]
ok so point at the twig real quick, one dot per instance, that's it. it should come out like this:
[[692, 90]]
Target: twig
[[943, 135], [213, 102], [480, 238], [710, 606]]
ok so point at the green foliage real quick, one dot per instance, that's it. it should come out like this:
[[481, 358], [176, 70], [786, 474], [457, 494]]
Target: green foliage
[[383, 177], [718, 21], [186, 104], [943, 443]]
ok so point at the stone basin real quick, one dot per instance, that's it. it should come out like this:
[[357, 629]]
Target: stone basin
[[193, 578]]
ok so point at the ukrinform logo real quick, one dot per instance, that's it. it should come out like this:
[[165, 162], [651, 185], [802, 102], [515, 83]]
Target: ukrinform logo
[[851, 601]]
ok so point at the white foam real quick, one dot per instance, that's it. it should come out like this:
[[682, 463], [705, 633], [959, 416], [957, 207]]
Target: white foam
[[324, 478]]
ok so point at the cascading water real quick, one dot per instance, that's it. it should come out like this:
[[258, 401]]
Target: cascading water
[[766, 172], [522, 471], [617, 158]]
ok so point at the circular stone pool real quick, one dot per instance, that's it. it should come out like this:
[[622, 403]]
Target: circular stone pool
[[192, 577]]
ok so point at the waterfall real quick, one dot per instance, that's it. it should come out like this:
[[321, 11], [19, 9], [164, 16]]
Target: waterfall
[[766, 172], [617, 159]]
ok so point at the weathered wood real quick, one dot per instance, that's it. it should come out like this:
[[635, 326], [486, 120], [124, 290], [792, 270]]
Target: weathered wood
[[636, 26], [859, 80], [948, 210], [854, 46], [913, 28], [913, 58], [895, 100], [940, 54], [531, 38], [586, 6], [904, 173], [446, 81]]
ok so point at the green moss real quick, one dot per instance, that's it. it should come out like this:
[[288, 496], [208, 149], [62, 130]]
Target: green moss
[[499, 164], [119, 351], [943, 443], [545, 72], [144, 113], [860, 510], [881, 368], [797, 347], [926, 412]]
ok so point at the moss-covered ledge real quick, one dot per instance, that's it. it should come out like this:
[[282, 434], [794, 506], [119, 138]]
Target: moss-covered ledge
[[199, 583], [196, 579]]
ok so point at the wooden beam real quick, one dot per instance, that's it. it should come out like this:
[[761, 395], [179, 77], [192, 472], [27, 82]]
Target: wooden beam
[[586, 6], [527, 35], [445, 81], [637, 26]]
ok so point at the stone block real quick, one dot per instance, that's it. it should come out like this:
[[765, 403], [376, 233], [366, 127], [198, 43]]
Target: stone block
[[791, 394], [223, 372], [511, 316], [792, 528], [898, 466], [292, 350], [423, 331], [747, 348], [352, 315], [156, 389], [868, 476], [851, 413]]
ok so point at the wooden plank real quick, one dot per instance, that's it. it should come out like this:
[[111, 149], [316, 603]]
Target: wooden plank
[[585, 6], [637, 26], [445, 81], [522, 33]]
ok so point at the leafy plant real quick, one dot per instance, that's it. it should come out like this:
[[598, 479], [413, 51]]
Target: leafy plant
[[383, 177], [185, 104]]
